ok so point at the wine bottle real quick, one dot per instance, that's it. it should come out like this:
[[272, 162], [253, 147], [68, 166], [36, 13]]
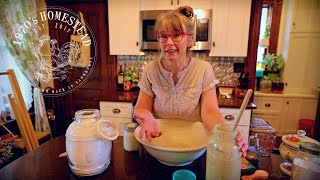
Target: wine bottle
[[120, 78]]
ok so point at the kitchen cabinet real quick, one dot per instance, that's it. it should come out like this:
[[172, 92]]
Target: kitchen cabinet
[[295, 109], [230, 114], [173, 4], [118, 113], [230, 27], [299, 42], [124, 27], [283, 111], [301, 73], [269, 109], [306, 15]]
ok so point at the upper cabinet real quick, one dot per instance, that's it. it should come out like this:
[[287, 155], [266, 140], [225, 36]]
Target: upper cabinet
[[299, 43], [124, 27], [306, 15], [172, 4], [230, 27]]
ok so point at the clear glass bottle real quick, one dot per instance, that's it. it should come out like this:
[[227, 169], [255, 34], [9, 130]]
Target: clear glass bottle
[[266, 85], [129, 141], [306, 162], [223, 155]]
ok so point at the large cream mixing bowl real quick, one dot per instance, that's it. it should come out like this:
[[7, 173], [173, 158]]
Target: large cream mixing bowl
[[180, 144]]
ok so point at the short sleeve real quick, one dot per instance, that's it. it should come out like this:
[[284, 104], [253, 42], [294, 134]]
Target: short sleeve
[[209, 79], [144, 84]]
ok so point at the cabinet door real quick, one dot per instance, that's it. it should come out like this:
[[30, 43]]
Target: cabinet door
[[291, 115], [173, 4], [301, 72], [195, 4], [273, 119], [230, 27], [309, 108], [306, 15], [124, 27], [157, 4], [230, 114]]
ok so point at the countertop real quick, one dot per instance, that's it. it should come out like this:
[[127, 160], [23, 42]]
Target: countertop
[[127, 96], [44, 163], [286, 95]]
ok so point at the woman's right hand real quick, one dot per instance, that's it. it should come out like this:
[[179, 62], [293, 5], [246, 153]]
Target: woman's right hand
[[149, 126]]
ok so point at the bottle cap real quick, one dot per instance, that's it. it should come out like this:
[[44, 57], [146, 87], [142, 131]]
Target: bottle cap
[[183, 174], [130, 127]]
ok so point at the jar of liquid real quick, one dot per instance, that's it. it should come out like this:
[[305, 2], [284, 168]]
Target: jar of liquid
[[129, 141], [223, 155], [306, 163], [266, 85]]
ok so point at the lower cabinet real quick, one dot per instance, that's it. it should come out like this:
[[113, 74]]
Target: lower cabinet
[[230, 114], [283, 111], [295, 109], [118, 113]]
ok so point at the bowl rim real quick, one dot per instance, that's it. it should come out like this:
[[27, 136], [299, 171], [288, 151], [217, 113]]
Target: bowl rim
[[196, 148]]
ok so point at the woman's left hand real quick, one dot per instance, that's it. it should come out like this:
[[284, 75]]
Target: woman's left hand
[[242, 143]]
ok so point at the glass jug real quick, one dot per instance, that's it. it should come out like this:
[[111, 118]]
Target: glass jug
[[223, 155]]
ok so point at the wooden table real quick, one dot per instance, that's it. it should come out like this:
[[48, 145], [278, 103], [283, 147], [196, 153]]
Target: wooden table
[[44, 163]]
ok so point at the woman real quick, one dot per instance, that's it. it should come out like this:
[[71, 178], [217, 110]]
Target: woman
[[177, 85]]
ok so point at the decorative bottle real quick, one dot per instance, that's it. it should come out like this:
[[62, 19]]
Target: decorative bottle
[[120, 78]]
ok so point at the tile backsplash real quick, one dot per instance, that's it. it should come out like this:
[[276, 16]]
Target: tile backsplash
[[222, 66]]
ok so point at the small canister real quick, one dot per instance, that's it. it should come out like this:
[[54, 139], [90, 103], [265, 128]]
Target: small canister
[[129, 141], [266, 84]]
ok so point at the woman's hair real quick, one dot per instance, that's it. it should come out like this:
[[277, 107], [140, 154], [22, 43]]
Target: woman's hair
[[176, 20]]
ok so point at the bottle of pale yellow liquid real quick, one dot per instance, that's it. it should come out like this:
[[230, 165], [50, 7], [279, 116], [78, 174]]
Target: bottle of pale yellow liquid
[[223, 156]]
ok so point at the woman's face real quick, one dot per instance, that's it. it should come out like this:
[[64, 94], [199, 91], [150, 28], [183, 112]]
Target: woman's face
[[173, 49]]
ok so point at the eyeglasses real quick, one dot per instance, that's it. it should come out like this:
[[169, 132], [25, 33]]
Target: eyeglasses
[[175, 37]]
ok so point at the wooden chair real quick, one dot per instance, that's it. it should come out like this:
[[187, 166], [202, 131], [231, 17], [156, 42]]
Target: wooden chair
[[28, 134]]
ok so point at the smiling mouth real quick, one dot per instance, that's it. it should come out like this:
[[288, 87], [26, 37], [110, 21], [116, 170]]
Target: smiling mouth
[[171, 50]]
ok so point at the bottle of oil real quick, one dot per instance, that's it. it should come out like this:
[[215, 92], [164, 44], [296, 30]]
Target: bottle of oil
[[120, 78]]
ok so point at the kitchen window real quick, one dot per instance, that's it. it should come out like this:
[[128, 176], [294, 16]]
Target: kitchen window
[[7, 62]]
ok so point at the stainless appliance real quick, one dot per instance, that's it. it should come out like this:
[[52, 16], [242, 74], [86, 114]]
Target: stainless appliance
[[202, 32]]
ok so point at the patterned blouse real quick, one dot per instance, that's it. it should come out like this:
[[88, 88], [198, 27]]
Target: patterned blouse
[[180, 100]]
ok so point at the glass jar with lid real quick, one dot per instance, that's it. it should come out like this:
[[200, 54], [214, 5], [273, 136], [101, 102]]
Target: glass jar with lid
[[89, 143], [266, 85], [223, 155], [306, 163]]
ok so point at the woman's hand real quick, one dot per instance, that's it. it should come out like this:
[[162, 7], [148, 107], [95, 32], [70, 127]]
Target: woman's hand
[[242, 143], [149, 126]]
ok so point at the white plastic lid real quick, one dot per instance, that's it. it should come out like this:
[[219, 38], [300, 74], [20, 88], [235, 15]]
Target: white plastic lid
[[107, 130]]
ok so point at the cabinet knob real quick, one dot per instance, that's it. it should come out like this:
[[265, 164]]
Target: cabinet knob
[[229, 117], [116, 110], [137, 43], [287, 102], [171, 2], [213, 44], [267, 105]]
